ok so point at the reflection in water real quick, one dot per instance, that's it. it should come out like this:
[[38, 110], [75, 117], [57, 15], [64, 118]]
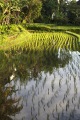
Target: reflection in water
[[9, 105], [46, 82]]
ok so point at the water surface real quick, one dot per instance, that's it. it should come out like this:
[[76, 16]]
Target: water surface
[[40, 85]]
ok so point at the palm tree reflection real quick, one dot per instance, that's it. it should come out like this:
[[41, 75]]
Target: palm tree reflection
[[9, 105]]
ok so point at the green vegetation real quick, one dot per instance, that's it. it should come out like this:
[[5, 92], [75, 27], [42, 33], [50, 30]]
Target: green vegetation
[[60, 12], [12, 35], [18, 27], [51, 27], [41, 37], [35, 36]]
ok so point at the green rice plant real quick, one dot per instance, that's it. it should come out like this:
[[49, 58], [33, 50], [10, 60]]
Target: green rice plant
[[61, 40], [48, 41]]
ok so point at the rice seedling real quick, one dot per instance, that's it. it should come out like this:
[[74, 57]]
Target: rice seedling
[[41, 41], [54, 40]]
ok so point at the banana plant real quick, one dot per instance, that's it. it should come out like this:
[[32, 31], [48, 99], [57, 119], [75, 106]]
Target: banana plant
[[9, 9]]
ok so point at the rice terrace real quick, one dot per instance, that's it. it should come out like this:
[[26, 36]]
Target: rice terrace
[[41, 74], [39, 60]]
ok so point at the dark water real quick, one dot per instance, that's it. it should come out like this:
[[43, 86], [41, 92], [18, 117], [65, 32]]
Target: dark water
[[40, 85]]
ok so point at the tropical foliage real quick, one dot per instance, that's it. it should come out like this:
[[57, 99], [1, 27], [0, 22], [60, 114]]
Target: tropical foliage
[[48, 11], [12, 11]]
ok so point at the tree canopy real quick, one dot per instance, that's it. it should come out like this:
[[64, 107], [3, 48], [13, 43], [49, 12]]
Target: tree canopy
[[47, 11]]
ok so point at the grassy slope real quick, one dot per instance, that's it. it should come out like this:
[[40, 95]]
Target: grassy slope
[[16, 34]]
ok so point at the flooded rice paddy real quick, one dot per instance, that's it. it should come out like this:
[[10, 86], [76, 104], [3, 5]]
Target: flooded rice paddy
[[40, 85]]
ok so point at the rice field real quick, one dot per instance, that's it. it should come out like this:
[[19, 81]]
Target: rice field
[[16, 37], [46, 85], [51, 96], [48, 41], [40, 76]]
